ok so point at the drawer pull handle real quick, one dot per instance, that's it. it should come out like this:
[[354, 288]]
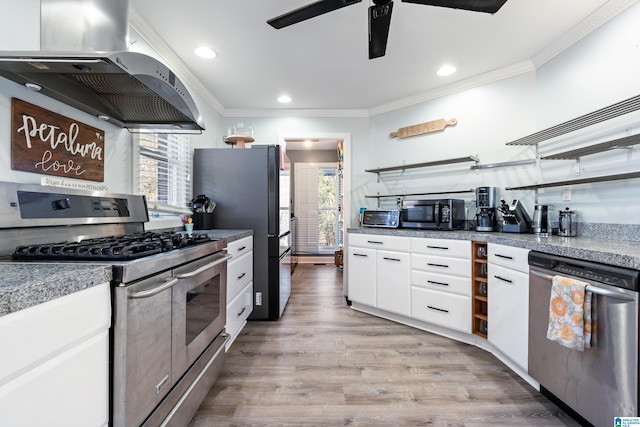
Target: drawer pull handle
[[242, 311], [241, 276], [504, 256], [391, 259], [438, 309], [503, 279], [242, 248], [362, 255], [162, 383], [438, 247], [438, 265], [375, 242], [437, 283]]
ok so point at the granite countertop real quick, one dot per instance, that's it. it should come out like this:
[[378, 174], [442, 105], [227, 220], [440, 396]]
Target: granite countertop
[[26, 284], [621, 253]]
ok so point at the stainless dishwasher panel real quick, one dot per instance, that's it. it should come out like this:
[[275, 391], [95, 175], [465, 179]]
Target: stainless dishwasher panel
[[602, 382]]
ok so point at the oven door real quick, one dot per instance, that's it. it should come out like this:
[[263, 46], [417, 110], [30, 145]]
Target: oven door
[[199, 309]]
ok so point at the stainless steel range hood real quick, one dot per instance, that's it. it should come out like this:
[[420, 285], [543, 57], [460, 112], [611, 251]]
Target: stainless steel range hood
[[83, 62]]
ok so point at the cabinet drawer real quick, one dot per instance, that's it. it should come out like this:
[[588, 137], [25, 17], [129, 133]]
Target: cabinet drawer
[[441, 247], [441, 282], [240, 247], [388, 243], [441, 265], [238, 310], [444, 309], [508, 256], [239, 273]]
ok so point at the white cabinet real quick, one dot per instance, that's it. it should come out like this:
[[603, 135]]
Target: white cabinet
[[362, 275], [55, 362], [379, 271], [239, 286], [392, 282], [508, 302], [441, 282]]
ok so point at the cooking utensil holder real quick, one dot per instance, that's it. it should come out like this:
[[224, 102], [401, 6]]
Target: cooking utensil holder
[[203, 221]]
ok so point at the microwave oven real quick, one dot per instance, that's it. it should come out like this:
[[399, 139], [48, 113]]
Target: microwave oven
[[381, 218], [436, 214]]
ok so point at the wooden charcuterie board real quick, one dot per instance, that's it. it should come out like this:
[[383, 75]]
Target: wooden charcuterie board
[[422, 128]]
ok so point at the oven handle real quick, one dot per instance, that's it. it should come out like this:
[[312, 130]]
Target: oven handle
[[154, 291], [590, 288], [203, 268]]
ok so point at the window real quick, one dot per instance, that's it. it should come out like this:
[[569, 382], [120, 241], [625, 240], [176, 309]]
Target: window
[[165, 163]]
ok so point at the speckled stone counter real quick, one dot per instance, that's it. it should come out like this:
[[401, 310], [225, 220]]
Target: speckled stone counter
[[613, 252], [24, 285], [228, 235]]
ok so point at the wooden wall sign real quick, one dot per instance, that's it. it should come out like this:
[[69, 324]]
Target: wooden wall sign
[[422, 128], [48, 143]]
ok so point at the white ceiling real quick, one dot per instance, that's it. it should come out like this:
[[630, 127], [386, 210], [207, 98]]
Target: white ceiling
[[323, 63]]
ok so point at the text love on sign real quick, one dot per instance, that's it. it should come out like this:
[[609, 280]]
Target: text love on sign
[[48, 143]]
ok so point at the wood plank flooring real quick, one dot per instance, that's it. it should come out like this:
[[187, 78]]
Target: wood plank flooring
[[324, 364]]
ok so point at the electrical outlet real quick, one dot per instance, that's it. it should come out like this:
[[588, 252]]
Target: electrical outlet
[[258, 298], [566, 193]]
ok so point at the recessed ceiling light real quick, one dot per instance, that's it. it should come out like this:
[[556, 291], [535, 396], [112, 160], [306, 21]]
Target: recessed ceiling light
[[446, 70], [307, 143], [284, 99], [206, 52]]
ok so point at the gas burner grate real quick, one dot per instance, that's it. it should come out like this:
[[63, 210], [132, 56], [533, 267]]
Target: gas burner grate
[[125, 247]]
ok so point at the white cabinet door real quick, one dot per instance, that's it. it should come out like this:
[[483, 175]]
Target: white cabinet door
[[393, 282], [55, 362], [508, 311], [362, 275]]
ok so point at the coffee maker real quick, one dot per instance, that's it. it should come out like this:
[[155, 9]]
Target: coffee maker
[[486, 201]]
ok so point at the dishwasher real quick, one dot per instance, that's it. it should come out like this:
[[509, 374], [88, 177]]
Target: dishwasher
[[601, 382]]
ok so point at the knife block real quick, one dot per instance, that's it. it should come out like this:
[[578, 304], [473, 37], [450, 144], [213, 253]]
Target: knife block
[[202, 221]]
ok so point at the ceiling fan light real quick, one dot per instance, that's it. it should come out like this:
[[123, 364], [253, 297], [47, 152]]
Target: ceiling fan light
[[446, 70], [206, 52], [284, 99]]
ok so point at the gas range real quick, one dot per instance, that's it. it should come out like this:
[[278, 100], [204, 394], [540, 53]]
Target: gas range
[[111, 248]]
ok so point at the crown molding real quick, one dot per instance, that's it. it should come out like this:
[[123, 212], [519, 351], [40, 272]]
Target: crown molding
[[173, 61], [459, 86], [296, 112], [601, 16]]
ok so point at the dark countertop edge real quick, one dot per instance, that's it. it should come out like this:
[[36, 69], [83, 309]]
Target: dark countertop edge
[[619, 253], [228, 235]]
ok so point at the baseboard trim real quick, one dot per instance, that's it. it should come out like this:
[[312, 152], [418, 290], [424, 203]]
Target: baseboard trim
[[318, 259]]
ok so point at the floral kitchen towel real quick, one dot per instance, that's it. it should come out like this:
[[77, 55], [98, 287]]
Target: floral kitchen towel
[[570, 313]]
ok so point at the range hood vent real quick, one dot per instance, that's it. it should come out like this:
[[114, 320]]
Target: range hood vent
[[128, 89]]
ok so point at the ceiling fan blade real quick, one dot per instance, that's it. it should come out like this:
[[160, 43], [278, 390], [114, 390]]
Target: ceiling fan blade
[[488, 6], [379, 22], [309, 11]]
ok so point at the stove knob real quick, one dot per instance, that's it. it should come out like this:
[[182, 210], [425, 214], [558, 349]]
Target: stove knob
[[61, 204]]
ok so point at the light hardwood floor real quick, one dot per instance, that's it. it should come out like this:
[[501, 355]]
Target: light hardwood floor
[[324, 364]]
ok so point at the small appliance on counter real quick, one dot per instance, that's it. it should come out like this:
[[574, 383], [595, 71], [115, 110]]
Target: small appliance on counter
[[203, 207], [515, 218], [486, 203], [567, 223], [439, 214], [541, 223], [381, 218]]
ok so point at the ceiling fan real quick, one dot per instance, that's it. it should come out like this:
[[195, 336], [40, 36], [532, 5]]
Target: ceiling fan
[[379, 15]]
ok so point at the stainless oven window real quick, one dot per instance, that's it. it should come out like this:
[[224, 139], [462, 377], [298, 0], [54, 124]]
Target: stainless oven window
[[202, 307]]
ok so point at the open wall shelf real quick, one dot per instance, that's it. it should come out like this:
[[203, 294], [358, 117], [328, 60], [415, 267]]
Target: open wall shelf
[[621, 143], [630, 175], [425, 165], [420, 194]]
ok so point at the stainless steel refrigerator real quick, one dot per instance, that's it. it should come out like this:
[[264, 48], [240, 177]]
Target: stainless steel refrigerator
[[251, 189]]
